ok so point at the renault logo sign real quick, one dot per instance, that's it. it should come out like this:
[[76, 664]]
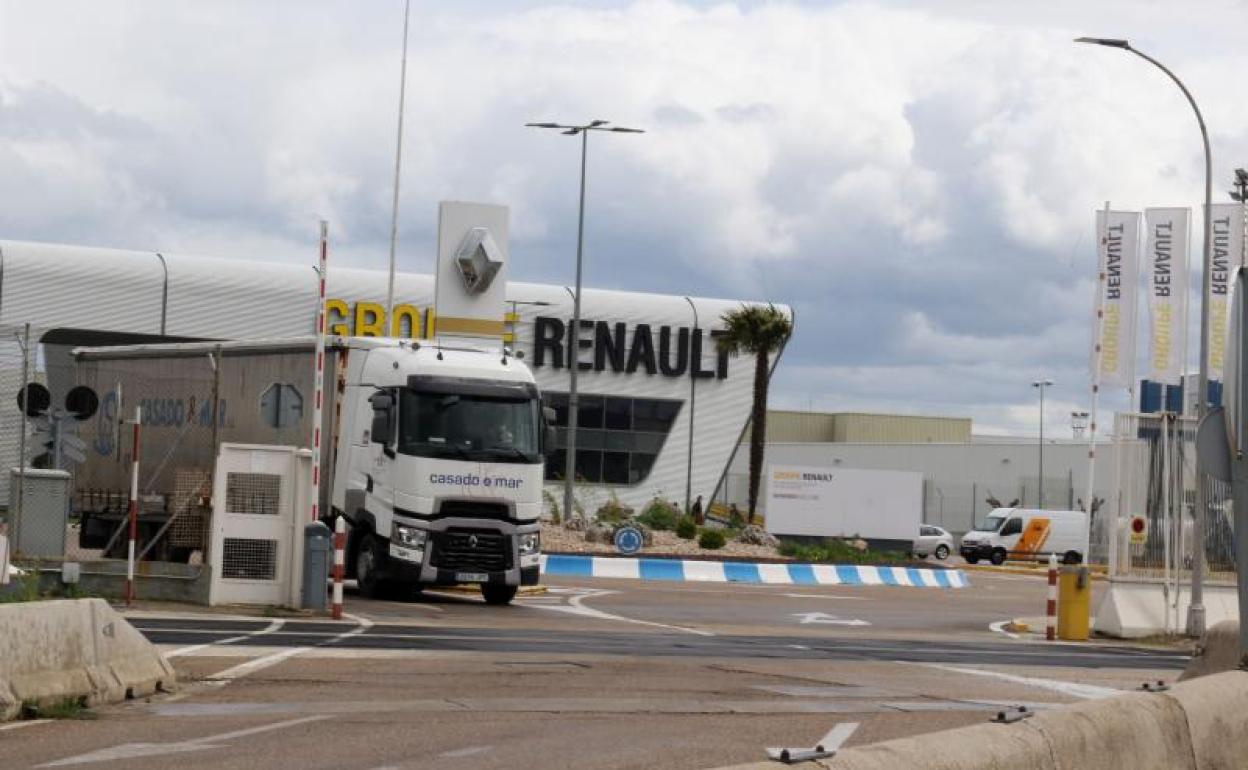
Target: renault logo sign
[[472, 541], [479, 259]]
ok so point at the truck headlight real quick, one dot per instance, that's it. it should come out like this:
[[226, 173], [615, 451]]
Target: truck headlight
[[530, 543], [410, 537]]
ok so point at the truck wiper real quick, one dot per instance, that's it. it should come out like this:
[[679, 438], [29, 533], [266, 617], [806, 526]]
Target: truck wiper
[[514, 452]]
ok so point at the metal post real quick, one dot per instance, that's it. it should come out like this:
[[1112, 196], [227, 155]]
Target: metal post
[[133, 512], [574, 342], [394, 212], [21, 457], [693, 396]]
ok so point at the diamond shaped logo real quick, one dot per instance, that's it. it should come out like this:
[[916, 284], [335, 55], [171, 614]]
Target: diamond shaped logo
[[479, 260]]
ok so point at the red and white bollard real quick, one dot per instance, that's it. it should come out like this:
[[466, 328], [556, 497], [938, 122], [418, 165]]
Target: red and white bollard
[[133, 511], [340, 565], [1050, 630]]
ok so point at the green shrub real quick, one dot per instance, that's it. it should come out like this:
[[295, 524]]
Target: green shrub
[[837, 551], [553, 504], [686, 529], [711, 539], [659, 514], [613, 511]]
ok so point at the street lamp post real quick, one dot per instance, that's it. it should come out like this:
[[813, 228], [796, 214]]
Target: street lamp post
[[1041, 384], [1196, 608], [574, 341]]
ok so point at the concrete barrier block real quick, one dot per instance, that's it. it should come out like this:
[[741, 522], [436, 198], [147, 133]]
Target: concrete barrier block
[[1136, 731], [1216, 708], [1015, 746], [1218, 651], [81, 648]]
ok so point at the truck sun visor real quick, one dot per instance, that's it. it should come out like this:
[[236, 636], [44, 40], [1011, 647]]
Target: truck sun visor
[[464, 386]]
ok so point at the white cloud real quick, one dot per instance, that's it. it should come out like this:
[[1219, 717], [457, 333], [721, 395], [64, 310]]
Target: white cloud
[[917, 179]]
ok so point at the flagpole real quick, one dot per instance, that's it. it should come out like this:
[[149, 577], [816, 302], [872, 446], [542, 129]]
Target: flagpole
[[1097, 325]]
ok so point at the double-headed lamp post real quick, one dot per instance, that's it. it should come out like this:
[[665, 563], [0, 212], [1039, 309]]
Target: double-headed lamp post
[[1041, 384], [569, 479], [1196, 608]]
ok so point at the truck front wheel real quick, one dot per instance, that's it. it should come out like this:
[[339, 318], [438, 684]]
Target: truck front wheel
[[496, 594], [369, 561]]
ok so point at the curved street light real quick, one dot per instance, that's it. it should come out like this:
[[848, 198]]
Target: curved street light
[[569, 479], [1196, 609]]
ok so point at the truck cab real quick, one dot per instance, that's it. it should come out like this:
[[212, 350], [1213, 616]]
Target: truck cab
[[439, 467]]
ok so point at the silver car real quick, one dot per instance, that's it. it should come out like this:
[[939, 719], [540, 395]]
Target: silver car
[[933, 541]]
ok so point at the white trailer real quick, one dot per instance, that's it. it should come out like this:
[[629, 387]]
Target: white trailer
[[884, 507]]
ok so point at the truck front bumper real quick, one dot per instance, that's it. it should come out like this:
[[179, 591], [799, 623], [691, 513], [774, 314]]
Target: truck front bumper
[[461, 551]]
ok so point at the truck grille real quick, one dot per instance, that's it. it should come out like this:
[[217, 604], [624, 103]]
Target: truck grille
[[471, 550]]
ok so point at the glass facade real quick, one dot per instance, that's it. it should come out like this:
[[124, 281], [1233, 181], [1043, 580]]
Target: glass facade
[[617, 438]]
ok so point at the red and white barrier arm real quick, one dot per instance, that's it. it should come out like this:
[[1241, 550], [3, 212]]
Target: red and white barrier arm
[[133, 511], [1050, 630], [340, 565]]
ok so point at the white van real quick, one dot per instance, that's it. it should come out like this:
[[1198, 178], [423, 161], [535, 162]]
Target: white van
[[1028, 533]]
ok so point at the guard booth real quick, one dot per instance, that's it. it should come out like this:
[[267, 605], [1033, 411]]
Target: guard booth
[[260, 500]]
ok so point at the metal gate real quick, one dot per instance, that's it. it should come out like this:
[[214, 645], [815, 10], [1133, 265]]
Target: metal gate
[[256, 499]]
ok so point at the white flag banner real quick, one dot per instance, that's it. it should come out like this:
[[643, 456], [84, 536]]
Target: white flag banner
[[1228, 252], [1118, 293], [1166, 272]]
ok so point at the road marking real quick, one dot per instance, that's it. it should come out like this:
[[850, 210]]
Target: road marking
[[194, 648], [261, 663], [999, 628], [465, 752], [137, 750], [576, 606], [1073, 689], [827, 745], [825, 618], [20, 725], [826, 596], [798, 647]]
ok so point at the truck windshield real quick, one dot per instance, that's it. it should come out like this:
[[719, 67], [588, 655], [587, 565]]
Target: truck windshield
[[468, 427], [993, 523]]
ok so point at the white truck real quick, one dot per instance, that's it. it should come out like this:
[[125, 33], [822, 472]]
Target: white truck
[[434, 453]]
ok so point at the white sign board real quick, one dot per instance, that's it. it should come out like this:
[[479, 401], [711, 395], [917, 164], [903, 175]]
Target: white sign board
[[835, 502], [470, 283]]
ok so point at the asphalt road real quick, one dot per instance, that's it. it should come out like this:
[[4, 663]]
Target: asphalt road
[[592, 674]]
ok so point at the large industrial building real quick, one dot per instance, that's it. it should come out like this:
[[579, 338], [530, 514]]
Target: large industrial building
[[961, 470], [651, 381]]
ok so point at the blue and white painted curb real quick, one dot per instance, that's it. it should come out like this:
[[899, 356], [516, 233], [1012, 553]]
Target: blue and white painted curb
[[747, 572]]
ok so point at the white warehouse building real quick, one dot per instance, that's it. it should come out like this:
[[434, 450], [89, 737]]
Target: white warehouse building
[[651, 381]]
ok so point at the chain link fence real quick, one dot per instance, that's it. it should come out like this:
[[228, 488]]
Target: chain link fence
[[1158, 482]]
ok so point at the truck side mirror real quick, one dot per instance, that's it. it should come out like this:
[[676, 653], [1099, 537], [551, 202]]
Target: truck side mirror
[[383, 409], [548, 429]]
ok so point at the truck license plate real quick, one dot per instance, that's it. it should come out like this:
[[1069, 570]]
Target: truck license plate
[[472, 577]]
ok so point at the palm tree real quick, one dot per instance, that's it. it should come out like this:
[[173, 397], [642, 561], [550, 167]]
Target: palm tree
[[762, 331]]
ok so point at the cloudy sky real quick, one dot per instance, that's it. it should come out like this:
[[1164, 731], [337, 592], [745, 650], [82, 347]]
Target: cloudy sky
[[916, 179]]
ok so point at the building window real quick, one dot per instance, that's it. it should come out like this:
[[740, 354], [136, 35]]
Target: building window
[[617, 439]]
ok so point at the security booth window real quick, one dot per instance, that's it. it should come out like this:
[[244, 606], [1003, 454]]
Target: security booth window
[[617, 438], [449, 418]]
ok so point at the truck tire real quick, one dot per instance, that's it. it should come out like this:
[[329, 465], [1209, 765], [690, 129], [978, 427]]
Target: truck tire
[[369, 564], [971, 559], [499, 595], [998, 556], [1071, 557]]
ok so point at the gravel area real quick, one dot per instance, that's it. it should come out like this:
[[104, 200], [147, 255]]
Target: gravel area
[[556, 539]]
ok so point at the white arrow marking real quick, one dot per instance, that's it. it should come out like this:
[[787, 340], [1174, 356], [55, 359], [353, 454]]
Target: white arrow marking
[[823, 617], [136, 750], [826, 596]]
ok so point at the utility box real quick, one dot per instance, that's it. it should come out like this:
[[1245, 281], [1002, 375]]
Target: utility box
[[1074, 603], [318, 555], [39, 529]]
